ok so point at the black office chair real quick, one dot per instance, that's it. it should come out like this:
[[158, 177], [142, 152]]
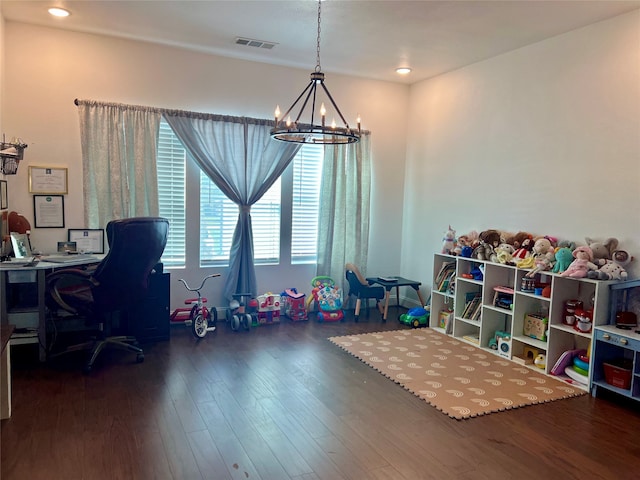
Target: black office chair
[[362, 290], [119, 281]]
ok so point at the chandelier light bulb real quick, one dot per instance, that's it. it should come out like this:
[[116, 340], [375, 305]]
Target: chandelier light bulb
[[277, 113]]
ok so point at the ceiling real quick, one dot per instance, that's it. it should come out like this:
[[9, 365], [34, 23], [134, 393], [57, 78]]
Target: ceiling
[[367, 38]]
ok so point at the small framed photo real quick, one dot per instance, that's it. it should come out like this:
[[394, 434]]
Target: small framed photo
[[67, 247], [51, 180], [48, 211], [4, 195], [88, 240]]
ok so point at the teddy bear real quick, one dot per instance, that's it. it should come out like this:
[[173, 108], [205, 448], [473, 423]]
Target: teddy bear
[[449, 241], [490, 237], [602, 250], [613, 269], [564, 257], [543, 255], [483, 251], [582, 263]]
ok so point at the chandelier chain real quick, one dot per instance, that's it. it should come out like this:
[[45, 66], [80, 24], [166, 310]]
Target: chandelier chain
[[318, 68]]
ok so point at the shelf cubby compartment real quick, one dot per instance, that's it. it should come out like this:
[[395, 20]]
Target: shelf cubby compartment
[[562, 341], [527, 348], [494, 320]]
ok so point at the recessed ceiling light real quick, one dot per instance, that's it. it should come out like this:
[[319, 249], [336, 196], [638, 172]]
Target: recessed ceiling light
[[403, 70], [58, 12]]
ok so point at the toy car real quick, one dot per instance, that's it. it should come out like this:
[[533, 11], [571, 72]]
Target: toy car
[[416, 317]]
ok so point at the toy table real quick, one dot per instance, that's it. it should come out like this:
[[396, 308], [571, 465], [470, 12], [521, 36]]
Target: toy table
[[394, 281]]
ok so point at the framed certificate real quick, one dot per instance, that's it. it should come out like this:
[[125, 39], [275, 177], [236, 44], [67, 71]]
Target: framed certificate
[[88, 240], [48, 180], [48, 211]]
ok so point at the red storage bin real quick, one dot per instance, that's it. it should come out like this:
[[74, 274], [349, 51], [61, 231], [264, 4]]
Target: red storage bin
[[618, 374]]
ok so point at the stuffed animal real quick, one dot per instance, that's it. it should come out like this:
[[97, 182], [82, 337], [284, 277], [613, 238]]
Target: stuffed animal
[[602, 250], [582, 263], [490, 237], [519, 239], [564, 257], [543, 255], [613, 269], [449, 241], [483, 251], [463, 246], [524, 251], [503, 254]]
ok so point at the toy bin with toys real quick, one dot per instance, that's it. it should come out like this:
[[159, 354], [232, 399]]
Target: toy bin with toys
[[293, 304], [328, 297]]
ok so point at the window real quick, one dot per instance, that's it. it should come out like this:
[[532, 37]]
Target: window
[[171, 193], [219, 215], [307, 176], [218, 219]]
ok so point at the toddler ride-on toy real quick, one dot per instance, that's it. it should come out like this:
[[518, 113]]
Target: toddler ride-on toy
[[329, 298], [202, 319], [237, 314]]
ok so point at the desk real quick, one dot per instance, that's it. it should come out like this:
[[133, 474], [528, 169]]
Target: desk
[[5, 372], [397, 282], [33, 315]]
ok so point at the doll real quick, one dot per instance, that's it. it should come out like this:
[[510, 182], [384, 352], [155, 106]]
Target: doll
[[582, 264]]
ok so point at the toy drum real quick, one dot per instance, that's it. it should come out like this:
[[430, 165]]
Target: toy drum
[[569, 314]]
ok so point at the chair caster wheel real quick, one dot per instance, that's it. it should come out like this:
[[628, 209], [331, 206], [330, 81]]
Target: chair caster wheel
[[140, 358]]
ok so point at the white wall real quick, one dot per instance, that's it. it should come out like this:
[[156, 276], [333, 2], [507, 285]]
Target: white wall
[[46, 69], [544, 139]]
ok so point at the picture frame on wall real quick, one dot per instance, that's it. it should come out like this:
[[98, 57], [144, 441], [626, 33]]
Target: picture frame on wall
[[87, 240], [48, 180], [48, 211], [4, 195]]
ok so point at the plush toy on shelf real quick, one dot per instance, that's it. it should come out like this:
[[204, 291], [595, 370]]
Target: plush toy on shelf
[[564, 257], [602, 250], [449, 241], [503, 254], [613, 269], [582, 263], [543, 255]]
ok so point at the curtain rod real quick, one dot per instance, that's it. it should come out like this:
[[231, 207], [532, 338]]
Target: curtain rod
[[176, 113], [183, 113]]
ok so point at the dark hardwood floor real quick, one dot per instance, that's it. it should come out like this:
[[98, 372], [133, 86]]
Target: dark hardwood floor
[[281, 402]]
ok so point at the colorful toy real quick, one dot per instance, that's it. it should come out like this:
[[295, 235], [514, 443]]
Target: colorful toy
[[582, 263], [328, 296], [601, 251], [416, 317], [294, 304], [238, 315], [584, 320], [493, 341], [268, 308], [543, 255], [449, 241], [564, 257], [540, 361]]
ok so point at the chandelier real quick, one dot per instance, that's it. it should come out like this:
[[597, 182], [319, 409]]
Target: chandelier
[[294, 131]]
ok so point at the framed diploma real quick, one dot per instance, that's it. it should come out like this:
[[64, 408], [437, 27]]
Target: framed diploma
[[89, 240], [48, 211], [51, 180]]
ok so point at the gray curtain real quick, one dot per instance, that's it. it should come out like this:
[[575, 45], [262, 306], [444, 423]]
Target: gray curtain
[[343, 224], [239, 156], [119, 147]]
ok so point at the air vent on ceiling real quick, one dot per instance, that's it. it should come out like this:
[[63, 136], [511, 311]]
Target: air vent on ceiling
[[255, 43]]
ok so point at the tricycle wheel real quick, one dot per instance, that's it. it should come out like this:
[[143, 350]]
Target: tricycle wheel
[[199, 326]]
